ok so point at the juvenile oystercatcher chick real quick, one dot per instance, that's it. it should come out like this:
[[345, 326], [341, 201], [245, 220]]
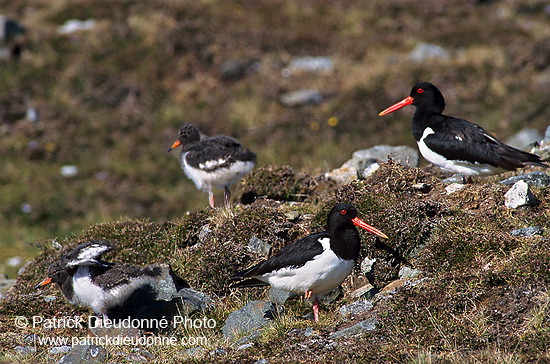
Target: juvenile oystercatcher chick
[[454, 144], [316, 264], [218, 161], [85, 279]]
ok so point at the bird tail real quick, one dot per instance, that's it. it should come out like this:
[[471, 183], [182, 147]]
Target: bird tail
[[252, 282]]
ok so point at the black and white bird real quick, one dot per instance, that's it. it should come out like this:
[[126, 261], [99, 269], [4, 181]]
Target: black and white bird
[[316, 264], [454, 144], [111, 290], [218, 161]]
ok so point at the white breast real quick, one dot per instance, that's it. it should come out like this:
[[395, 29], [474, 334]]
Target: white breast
[[453, 166], [320, 275]]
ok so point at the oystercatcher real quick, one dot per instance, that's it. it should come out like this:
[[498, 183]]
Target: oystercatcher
[[454, 144], [111, 290], [217, 161], [315, 264]]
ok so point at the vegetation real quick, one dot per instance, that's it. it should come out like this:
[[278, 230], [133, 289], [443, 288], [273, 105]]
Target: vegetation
[[111, 100]]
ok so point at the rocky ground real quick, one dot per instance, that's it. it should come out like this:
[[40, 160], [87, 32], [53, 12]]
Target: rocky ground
[[462, 278], [94, 92]]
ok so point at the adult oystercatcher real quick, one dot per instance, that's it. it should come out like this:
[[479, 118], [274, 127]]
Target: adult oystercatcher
[[111, 290], [315, 264], [217, 161], [454, 144]]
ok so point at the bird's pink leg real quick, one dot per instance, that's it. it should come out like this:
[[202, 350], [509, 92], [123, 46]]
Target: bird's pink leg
[[308, 294], [211, 198], [316, 309], [227, 196]]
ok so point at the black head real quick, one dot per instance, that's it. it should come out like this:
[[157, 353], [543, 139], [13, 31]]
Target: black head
[[341, 215], [344, 215], [84, 254], [426, 96], [188, 134]]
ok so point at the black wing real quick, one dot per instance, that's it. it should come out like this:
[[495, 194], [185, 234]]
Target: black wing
[[458, 139], [217, 152], [295, 254]]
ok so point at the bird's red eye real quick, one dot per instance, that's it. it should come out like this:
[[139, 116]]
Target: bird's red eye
[[419, 90], [343, 212]]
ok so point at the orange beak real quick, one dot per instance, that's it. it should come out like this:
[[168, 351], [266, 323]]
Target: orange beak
[[358, 222], [177, 143], [43, 283], [406, 101]]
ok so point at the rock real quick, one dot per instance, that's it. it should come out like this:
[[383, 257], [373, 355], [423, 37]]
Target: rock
[[69, 171], [308, 64], [367, 266], [191, 301], [301, 97], [524, 138], [355, 308], [363, 326], [519, 195], [196, 352], [406, 272], [25, 350], [369, 170], [279, 296], [363, 158], [537, 179], [56, 350], [5, 285], [239, 68], [261, 361], [343, 175], [245, 346], [85, 354], [258, 246], [425, 51], [367, 291], [73, 25], [14, 261], [293, 215], [458, 178], [308, 331], [454, 187], [205, 233], [253, 316], [528, 231]]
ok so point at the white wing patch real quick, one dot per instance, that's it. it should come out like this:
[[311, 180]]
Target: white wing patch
[[90, 253], [212, 163]]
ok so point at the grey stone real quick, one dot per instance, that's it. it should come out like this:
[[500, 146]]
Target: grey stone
[[261, 361], [454, 187], [406, 273], [205, 233], [292, 215], [342, 175], [258, 246], [245, 346], [528, 231], [308, 64], [253, 316], [355, 308], [519, 195], [85, 354], [367, 266], [308, 331], [194, 352], [363, 158], [367, 291], [425, 51], [524, 138], [458, 178], [363, 326], [301, 97], [536, 179], [56, 350], [239, 68], [25, 350], [279, 296], [191, 301]]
